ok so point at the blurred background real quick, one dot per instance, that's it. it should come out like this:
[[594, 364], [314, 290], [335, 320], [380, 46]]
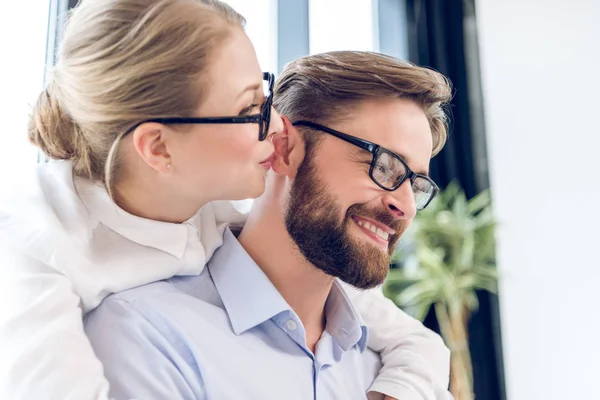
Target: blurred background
[[523, 130]]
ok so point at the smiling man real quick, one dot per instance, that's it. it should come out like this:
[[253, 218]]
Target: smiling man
[[269, 318], [355, 171]]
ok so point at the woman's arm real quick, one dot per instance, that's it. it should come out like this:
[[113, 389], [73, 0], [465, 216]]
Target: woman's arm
[[416, 363], [44, 352]]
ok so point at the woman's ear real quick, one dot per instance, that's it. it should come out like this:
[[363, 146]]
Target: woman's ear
[[289, 149], [149, 140]]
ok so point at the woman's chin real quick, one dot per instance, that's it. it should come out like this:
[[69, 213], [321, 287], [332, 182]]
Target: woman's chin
[[251, 191]]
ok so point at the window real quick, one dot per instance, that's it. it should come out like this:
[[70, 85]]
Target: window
[[23, 46], [261, 28]]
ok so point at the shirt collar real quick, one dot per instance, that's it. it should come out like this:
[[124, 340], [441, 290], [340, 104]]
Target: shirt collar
[[251, 299], [165, 236], [247, 294], [344, 323]]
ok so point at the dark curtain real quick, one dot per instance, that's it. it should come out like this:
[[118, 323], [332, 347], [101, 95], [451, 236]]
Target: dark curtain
[[438, 39]]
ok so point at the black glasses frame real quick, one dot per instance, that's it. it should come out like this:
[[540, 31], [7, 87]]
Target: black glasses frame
[[263, 119], [376, 150]]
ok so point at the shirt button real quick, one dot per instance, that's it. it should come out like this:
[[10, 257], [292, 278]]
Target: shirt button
[[292, 325]]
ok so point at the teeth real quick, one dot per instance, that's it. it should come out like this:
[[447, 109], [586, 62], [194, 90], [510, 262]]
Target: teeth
[[382, 234], [367, 225]]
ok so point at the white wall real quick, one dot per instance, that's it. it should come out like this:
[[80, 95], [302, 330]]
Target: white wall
[[541, 80]]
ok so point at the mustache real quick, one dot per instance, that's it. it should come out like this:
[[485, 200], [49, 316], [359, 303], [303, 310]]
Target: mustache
[[378, 214]]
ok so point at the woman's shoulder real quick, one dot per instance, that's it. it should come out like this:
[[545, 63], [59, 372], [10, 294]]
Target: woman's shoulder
[[42, 210]]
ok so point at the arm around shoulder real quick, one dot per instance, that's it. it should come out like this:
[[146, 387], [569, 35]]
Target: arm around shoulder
[[416, 362], [142, 358]]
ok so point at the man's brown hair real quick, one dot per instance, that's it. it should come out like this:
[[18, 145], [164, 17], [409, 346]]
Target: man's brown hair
[[324, 88]]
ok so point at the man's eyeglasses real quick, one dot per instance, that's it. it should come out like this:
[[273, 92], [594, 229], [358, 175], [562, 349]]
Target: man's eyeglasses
[[388, 170], [263, 119]]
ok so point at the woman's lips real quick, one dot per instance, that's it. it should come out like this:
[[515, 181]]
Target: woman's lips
[[267, 162]]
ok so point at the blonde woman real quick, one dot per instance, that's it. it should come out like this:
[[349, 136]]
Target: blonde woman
[[155, 111]]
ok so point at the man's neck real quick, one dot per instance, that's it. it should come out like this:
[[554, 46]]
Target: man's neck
[[304, 287]]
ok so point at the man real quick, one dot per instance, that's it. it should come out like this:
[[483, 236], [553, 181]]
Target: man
[[267, 319]]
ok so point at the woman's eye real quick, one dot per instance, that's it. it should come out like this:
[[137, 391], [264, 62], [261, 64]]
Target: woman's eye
[[248, 110]]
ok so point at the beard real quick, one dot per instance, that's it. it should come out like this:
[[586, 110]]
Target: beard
[[312, 219]]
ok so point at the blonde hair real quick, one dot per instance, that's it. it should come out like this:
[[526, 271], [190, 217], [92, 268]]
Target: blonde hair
[[121, 62], [324, 88]]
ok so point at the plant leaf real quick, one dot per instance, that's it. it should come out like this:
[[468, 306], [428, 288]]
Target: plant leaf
[[449, 256]]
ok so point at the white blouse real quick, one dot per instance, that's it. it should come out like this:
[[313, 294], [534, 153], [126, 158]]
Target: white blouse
[[65, 246]]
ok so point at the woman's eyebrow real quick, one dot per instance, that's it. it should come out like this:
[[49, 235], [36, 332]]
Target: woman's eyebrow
[[253, 87]]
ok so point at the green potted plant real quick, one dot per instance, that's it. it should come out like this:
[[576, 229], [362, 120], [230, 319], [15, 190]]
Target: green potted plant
[[452, 257]]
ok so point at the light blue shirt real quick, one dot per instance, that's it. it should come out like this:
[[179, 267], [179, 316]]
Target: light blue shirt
[[227, 334]]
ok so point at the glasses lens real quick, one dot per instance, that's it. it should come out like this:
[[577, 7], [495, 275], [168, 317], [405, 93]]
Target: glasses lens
[[266, 108], [266, 87], [423, 190], [388, 170], [265, 119]]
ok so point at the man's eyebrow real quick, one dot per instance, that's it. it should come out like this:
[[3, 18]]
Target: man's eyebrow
[[407, 161], [253, 87], [360, 152]]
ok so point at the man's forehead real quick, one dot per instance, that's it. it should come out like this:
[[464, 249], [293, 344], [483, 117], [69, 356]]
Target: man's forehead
[[399, 125]]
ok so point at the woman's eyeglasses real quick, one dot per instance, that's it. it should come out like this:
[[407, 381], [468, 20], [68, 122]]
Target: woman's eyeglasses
[[263, 119]]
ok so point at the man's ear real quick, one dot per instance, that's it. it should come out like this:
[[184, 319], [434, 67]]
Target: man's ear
[[289, 149], [149, 140]]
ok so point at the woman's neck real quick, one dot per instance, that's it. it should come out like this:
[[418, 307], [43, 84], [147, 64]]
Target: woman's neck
[[146, 198]]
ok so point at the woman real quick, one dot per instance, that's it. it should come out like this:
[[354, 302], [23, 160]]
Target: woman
[[155, 110]]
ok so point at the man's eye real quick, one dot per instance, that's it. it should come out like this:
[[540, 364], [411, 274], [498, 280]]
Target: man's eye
[[382, 168], [421, 185], [248, 110]]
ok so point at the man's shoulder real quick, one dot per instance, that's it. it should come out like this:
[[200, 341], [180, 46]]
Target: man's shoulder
[[165, 292], [143, 330], [183, 299], [138, 302], [151, 292]]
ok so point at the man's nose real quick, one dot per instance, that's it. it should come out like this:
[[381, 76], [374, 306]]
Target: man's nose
[[401, 202]]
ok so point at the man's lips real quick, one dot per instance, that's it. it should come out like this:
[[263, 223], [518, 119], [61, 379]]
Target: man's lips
[[377, 231], [377, 224]]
